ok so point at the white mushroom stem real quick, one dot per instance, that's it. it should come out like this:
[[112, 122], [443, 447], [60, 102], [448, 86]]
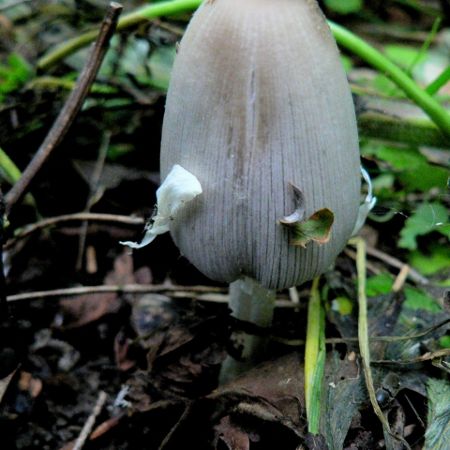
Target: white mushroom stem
[[250, 302]]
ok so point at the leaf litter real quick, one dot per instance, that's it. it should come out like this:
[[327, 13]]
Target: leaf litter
[[158, 356]]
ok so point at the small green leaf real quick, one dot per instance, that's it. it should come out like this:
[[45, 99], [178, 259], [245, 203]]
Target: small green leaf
[[436, 261], [427, 218], [407, 163], [379, 285], [416, 299], [343, 305], [14, 74], [437, 435], [444, 341], [317, 228]]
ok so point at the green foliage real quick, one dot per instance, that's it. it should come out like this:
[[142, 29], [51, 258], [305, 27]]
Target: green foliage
[[444, 341], [8, 169], [13, 74], [379, 285], [418, 300], [435, 261], [406, 164], [415, 299], [149, 65], [427, 218], [345, 6], [437, 435], [343, 305], [404, 55]]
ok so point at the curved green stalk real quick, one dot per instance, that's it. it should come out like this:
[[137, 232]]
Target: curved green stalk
[[8, 168], [11, 173], [376, 59], [363, 335], [439, 82], [343, 36]]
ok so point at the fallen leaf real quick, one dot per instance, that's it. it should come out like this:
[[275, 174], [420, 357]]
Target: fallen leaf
[[437, 435], [342, 399], [232, 435], [317, 228], [84, 309]]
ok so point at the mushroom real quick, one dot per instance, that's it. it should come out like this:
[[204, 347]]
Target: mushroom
[[259, 110]]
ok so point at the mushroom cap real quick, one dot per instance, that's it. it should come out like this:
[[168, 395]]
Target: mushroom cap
[[259, 100]]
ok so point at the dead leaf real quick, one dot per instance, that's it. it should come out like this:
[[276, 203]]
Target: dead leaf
[[265, 405], [121, 352], [232, 435], [315, 229], [342, 399], [84, 309]]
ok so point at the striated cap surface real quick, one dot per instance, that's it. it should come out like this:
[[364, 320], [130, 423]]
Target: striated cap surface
[[258, 100]]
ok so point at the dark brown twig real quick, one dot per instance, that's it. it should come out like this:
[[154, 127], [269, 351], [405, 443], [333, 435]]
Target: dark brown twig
[[70, 108]]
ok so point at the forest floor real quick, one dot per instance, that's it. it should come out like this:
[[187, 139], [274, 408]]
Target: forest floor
[[104, 348]]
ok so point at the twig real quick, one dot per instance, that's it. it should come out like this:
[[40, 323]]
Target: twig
[[394, 262], [89, 425], [97, 217], [207, 294], [401, 278], [429, 356], [344, 340], [70, 108], [94, 195], [126, 289]]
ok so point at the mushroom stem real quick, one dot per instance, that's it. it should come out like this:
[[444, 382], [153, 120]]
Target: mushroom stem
[[250, 302]]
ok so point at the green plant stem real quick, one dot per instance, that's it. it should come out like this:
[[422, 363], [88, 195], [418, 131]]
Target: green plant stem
[[314, 358], [7, 166], [426, 45], [249, 302], [363, 334], [439, 82], [372, 56], [12, 174], [153, 11]]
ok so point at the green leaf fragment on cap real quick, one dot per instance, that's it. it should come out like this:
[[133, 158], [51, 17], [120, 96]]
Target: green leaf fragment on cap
[[317, 228]]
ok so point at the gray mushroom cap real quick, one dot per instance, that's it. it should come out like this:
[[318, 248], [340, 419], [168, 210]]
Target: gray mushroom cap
[[258, 100]]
